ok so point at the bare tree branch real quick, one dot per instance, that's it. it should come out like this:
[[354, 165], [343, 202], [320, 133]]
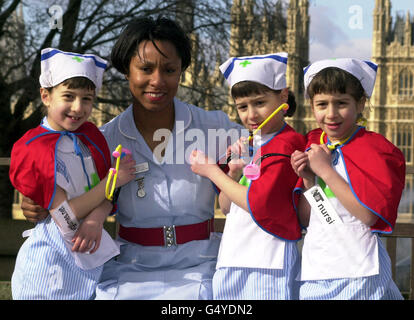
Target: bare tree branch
[[4, 15]]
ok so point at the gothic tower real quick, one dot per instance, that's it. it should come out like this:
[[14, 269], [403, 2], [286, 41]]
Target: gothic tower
[[274, 30], [393, 96], [380, 35], [297, 36], [392, 102]]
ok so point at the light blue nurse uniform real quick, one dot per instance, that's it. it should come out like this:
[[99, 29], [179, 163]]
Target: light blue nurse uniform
[[174, 196]]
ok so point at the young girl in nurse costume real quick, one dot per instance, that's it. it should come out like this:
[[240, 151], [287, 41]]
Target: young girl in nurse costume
[[354, 180], [258, 257]]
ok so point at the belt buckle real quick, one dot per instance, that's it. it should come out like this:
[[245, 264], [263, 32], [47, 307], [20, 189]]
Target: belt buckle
[[169, 236]]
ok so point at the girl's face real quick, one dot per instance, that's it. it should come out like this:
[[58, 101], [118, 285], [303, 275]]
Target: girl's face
[[253, 110], [67, 109], [153, 77], [336, 114]]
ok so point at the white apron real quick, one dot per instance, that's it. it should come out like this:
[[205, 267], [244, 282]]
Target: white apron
[[333, 251], [71, 178], [244, 243]]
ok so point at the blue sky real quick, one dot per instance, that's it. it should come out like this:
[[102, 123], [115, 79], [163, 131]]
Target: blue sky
[[343, 28], [338, 28]]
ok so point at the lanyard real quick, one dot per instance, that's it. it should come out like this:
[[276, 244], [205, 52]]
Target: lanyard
[[336, 144]]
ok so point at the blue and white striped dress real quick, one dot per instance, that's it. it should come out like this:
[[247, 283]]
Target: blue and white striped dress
[[376, 287], [232, 283], [46, 270]]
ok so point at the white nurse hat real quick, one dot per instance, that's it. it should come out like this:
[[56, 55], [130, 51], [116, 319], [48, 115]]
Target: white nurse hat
[[269, 70], [57, 66], [364, 71]]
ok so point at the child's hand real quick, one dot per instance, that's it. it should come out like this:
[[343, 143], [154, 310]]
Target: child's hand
[[236, 167], [126, 171], [300, 164], [240, 148], [319, 159], [88, 236], [201, 164], [239, 151]]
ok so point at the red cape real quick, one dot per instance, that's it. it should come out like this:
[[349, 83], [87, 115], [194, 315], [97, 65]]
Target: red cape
[[270, 197], [376, 173], [33, 166]]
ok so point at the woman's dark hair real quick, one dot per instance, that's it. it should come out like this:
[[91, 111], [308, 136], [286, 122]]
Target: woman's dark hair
[[148, 29], [332, 79], [247, 88]]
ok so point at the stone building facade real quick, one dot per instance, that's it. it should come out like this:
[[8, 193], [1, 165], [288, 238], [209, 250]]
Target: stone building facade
[[271, 31], [390, 111], [392, 104]]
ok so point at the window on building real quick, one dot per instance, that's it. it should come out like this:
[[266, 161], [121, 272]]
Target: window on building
[[404, 142], [406, 83], [407, 199]]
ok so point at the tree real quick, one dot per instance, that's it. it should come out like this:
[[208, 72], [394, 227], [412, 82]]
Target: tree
[[81, 26]]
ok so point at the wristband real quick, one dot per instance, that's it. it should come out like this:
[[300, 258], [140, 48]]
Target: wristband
[[65, 218]]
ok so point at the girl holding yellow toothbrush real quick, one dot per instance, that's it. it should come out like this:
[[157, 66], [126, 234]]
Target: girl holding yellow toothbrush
[[258, 258]]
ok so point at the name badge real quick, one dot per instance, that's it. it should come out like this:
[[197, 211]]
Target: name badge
[[321, 205], [141, 167]]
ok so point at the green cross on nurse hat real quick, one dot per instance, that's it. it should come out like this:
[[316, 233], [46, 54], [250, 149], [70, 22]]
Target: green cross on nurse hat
[[57, 66], [268, 69]]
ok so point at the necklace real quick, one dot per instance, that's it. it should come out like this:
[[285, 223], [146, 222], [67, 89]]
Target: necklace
[[336, 144]]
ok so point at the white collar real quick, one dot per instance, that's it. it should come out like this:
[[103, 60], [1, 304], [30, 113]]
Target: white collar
[[259, 140], [65, 143], [126, 124]]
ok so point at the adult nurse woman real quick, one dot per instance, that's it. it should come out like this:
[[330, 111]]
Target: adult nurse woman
[[165, 215]]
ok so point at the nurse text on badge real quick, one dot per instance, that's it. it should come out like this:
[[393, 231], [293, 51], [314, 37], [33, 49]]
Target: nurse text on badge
[[321, 206]]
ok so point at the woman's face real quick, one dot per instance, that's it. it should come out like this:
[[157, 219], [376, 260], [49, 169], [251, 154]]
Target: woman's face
[[154, 77]]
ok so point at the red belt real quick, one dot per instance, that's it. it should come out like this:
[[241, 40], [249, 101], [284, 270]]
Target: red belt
[[167, 235]]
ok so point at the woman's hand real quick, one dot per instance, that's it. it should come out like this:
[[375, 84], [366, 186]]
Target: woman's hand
[[32, 211]]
